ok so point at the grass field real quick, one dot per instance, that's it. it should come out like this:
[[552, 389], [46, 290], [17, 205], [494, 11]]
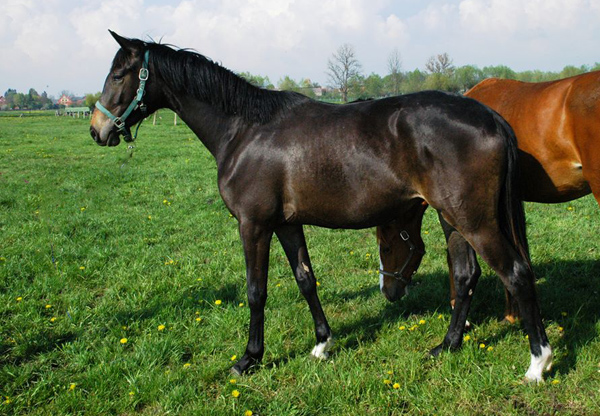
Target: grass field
[[122, 291]]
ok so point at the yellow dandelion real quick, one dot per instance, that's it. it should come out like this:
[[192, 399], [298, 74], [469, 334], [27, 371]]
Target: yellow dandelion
[[72, 386], [81, 267], [235, 394], [390, 372], [570, 208], [232, 381], [48, 306], [466, 338], [352, 253], [278, 285], [401, 327], [241, 304], [396, 386], [440, 316], [387, 381], [124, 328], [149, 217], [555, 381], [218, 302], [422, 322], [482, 345], [248, 413], [123, 341], [53, 319], [19, 299], [233, 357], [187, 365], [132, 393], [318, 284], [161, 327], [368, 255], [490, 348], [7, 401], [564, 313], [560, 329], [82, 209], [198, 319]]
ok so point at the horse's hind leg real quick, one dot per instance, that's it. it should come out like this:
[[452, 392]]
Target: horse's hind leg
[[292, 240], [464, 273], [518, 278], [461, 254]]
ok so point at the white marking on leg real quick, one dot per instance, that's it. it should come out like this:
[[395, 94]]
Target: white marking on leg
[[380, 276], [321, 350], [539, 364], [467, 323]]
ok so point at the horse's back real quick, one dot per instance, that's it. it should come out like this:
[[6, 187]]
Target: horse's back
[[554, 122]]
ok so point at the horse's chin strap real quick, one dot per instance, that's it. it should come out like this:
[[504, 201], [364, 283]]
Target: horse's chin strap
[[136, 103], [399, 275]]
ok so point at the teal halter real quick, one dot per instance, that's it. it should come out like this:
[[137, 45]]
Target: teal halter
[[135, 104]]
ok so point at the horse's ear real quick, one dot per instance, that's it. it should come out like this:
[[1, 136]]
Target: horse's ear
[[125, 43]]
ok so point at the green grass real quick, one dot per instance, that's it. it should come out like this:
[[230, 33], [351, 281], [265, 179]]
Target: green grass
[[94, 250]]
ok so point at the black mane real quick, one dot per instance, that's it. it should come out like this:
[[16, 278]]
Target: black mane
[[190, 72]]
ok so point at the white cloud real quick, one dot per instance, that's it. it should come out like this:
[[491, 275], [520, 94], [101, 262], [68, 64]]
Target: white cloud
[[66, 45]]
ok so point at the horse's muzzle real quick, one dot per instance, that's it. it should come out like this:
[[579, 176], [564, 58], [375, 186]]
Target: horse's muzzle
[[112, 139]]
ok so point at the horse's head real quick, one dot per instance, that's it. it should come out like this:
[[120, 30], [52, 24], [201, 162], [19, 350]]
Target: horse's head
[[124, 98], [400, 252]]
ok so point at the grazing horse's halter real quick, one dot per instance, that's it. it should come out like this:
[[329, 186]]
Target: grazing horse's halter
[[135, 104], [399, 275]]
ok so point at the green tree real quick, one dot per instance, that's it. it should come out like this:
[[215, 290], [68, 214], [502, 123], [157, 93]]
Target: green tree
[[91, 99], [373, 86], [499, 71], [467, 77], [413, 81], [257, 80]]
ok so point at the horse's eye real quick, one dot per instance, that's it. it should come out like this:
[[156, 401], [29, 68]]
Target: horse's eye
[[117, 77]]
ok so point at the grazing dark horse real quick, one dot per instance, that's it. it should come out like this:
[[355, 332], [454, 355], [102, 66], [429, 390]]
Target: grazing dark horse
[[557, 124], [285, 160]]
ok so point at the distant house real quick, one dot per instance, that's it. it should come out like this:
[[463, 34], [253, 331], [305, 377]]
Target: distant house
[[2, 101], [65, 100]]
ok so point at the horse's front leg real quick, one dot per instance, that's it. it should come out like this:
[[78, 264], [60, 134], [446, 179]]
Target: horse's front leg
[[465, 272], [256, 240], [292, 240]]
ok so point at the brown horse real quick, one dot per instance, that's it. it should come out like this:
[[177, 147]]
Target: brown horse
[[558, 128], [285, 160]]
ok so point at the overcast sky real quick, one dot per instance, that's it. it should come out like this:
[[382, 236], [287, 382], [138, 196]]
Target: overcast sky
[[56, 45]]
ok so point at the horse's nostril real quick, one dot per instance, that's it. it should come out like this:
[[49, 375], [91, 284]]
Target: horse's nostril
[[94, 134]]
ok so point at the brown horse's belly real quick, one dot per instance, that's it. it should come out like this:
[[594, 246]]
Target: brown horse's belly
[[551, 181]]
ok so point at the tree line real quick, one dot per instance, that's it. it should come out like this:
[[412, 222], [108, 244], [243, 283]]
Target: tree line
[[347, 82]]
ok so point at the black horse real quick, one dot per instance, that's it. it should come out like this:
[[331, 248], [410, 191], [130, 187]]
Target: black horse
[[285, 160]]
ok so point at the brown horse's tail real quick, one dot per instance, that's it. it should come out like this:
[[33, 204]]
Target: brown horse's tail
[[512, 212]]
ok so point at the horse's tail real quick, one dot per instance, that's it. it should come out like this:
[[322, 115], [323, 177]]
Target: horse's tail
[[512, 212]]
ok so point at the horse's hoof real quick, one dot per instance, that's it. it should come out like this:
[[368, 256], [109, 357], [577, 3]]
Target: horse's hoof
[[244, 365], [435, 352]]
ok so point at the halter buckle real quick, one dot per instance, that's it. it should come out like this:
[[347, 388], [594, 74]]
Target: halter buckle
[[119, 124], [144, 74]]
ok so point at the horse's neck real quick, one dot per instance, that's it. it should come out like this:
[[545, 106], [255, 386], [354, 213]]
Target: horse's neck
[[212, 127]]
